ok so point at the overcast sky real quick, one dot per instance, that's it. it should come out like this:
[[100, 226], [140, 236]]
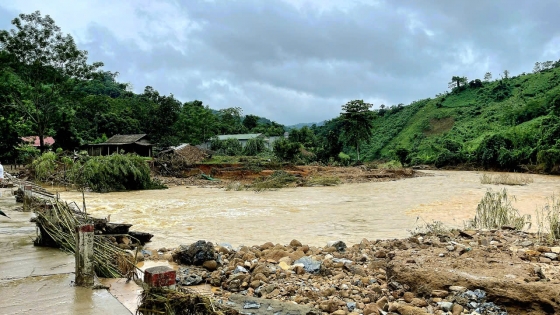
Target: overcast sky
[[298, 61]]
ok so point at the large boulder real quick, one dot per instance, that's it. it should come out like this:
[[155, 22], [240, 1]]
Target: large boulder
[[196, 253]]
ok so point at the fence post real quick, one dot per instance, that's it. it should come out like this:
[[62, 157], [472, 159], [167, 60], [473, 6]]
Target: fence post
[[27, 197], [84, 255]]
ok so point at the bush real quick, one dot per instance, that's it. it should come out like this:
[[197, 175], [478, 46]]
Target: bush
[[229, 147], [403, 155], [45, 166], [344, 158], [254, 147], [286, 150], [495, 150], [495, 210], [115, 172], [549, 159], [548, 219]]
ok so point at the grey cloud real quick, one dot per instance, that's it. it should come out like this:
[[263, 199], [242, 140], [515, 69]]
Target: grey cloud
[[295, 64]]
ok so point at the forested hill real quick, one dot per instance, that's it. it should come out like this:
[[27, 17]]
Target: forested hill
[[503, 123], [48, 87]]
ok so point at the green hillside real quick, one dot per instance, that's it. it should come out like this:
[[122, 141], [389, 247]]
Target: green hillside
[[502, 124]]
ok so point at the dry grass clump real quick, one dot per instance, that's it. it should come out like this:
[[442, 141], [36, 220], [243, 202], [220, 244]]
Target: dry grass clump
[[495, 210], [429, 228], [322, 181], [278, 179], [161, 301], [506, 179], [58, 221], [548, 219]]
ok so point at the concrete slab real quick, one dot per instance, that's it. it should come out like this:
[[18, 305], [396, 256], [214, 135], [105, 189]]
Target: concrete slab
[[36, 280], [55, 294]]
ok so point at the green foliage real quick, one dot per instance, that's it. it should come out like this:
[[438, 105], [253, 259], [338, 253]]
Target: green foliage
[[254, 147], [495, 210], [548, 219], [115, 172], [45, 166], [26, 153], [286, 150], [549, 158], [278, 179], [357, 123], [229, 147], [344, 158]]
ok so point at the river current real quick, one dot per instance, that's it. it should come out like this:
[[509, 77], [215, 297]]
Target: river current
[[312, 215]]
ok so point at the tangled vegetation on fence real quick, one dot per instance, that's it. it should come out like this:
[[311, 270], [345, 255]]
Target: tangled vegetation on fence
[[116, 172]]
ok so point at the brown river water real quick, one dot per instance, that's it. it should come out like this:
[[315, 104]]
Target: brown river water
[[312, 215]]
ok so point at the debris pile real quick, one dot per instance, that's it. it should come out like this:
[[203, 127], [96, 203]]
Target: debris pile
[[458, 272]]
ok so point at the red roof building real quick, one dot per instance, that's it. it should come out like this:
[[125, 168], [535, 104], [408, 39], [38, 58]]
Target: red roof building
[[35, 141]]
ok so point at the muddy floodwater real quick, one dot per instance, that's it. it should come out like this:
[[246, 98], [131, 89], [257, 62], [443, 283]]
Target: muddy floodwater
[[313, 215]]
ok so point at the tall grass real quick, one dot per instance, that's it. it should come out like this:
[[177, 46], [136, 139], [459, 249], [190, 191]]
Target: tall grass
[[495, 210], [548, 219], [506, 179]]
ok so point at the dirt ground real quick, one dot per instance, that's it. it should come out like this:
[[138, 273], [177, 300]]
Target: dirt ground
[[225, 174]]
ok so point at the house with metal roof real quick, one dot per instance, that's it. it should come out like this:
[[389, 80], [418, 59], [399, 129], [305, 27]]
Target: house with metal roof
[[242, 138], [136, 143]]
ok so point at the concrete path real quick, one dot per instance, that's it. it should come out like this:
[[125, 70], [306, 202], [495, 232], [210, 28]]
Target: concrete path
[[36, 280]]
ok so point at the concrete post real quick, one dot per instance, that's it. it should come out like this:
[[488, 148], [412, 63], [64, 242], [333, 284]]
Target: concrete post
[[84, 255], [27, 197], [160, 277]]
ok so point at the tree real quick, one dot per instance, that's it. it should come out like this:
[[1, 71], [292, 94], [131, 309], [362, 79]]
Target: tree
[[250, 121], [357, 123], [505, 74], [457, 82], [537, 68], [487, 76], [48, 60]]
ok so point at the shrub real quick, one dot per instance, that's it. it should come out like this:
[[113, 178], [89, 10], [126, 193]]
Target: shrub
[[548, 158], [495, 210], [548, 219], [45, 166], [494, 150], [278, 179], [344, 158], [506, 179], [115, 172], [254, 147], [286, 150], [403, 155], [229, 147]]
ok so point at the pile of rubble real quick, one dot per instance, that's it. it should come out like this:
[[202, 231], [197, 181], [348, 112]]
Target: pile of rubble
[[460, 272]]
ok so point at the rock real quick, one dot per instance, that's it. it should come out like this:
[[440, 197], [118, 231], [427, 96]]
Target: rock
[[408, 296], [339, 312], [410, 310], [309, 264], [255, 284], [240, 269], [526, 243], [418, 302], [555, 250], [197, 253], [351, 306], [251, 306], [275, 254], [372, 309], [440, 293], [211, 265], [456, 288], [266, 246], [445, 306], [450, 248], [142, 237], [457, 309], [295, 243], [380, 254], [186, 278], [551, 256], [263, 269], [340, 246], [284, 265]]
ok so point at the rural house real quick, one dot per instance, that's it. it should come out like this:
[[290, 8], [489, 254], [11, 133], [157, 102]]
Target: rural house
[[35, 141], [136, 143], [242, 138]]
